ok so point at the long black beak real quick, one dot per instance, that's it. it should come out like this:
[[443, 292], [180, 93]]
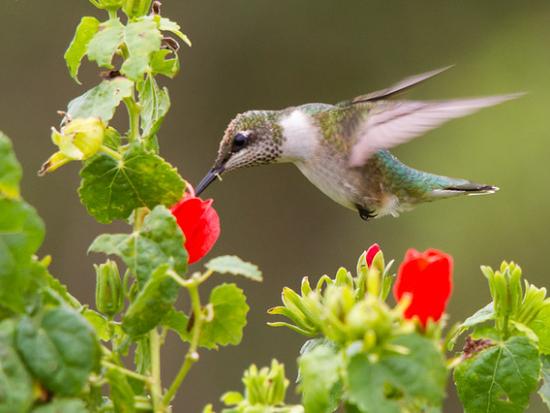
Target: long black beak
[[207, 180]]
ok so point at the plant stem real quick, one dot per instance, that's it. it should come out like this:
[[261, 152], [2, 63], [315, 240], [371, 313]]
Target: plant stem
[[192, 356], [112, 153], [156, 385], [133, 115], [112, 14], [126, 372]]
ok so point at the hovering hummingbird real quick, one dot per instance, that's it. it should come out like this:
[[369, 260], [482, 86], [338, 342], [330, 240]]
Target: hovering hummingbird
[[343, 148]]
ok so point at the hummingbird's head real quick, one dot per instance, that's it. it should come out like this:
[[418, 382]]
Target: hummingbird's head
[[252, 138]]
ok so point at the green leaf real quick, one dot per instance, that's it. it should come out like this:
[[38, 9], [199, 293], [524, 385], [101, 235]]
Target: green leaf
[[85, 32], [155, 104], [16, 386], [418, 377], [544, 391], [111, 189], [499, 379], [10, 170], [142, 38], [106, 42], [60, 349], [102, 100], [541, 326], [178, 322], [229, 306], [170, 26], [481, 316], [62, 406], [234, 265], [163, 65], [21, 233], [121, 392], [320, 379], [157, 297], [159, 241], [99, 323]]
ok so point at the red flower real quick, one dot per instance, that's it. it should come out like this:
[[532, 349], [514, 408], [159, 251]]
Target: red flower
[[199, 222], [371, 253], [427, 277]]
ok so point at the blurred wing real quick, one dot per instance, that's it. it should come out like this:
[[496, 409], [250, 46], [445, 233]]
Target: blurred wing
[[393, 123], [402, 86]]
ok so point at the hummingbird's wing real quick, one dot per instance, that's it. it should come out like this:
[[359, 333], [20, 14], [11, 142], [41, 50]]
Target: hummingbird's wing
[[399, 87], [391, 123]]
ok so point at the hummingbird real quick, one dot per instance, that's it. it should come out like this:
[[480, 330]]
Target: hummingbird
[[343, 148]]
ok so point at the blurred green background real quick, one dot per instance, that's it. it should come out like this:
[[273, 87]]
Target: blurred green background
[[270, 54]]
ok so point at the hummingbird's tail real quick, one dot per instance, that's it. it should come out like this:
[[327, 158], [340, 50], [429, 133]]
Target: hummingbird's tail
[[450, 187]]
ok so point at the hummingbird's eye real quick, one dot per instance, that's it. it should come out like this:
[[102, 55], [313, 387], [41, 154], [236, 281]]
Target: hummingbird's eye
[[239, 141]]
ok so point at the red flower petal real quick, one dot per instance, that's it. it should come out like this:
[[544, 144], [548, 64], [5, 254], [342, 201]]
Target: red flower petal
[[371, 253], [200, 224], [427, 277]]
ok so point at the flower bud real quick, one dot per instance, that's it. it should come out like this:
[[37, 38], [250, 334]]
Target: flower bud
[[109, 297], [107, 4], [80, 139], [136, 8]]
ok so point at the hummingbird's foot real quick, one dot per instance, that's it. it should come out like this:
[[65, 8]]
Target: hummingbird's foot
[[365, 213]]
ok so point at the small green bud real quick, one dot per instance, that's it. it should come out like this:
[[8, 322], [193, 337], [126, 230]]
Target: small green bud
[[80, 139], [136, 8], [107, 4], [108, 294]]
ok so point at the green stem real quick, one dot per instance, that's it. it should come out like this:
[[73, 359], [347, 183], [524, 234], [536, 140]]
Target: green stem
[[192, 356], [156, 385], [111, 152], [112, 14], [126, 372], [133, 115]]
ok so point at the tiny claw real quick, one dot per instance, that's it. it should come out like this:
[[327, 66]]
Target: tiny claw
[[365, 213]]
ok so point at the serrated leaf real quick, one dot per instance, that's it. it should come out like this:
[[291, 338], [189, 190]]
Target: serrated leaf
[[166, 24], [178, 322], [481, 316], [102, 100], [10, 170], [159, 241], [155, 104], [121, 392], [544, 391], [111, 189], [21, 233], [16, 386], [59, 348], [62, 406], [156, 298], [78, 48], [162, 64], [230, 309], [541, 326], [106, 42], [142, 38], [418, 377], [500, 378], [320, 379], [231, 264]]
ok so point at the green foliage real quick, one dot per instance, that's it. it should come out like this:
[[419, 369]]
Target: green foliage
[[155, 107], [10, 170], [85, 32], [59, 348], [234, 265], [159, 241], [159, 292], [228, 318], [544, 391], [63, 406], [111, 188], [105, 44], [499, 379]]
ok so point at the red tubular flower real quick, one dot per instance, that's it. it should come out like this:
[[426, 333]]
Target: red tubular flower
[[200, 224], [371, 253], [427, 277]]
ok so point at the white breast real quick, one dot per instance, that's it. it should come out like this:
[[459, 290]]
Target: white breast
[[300, 136]]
